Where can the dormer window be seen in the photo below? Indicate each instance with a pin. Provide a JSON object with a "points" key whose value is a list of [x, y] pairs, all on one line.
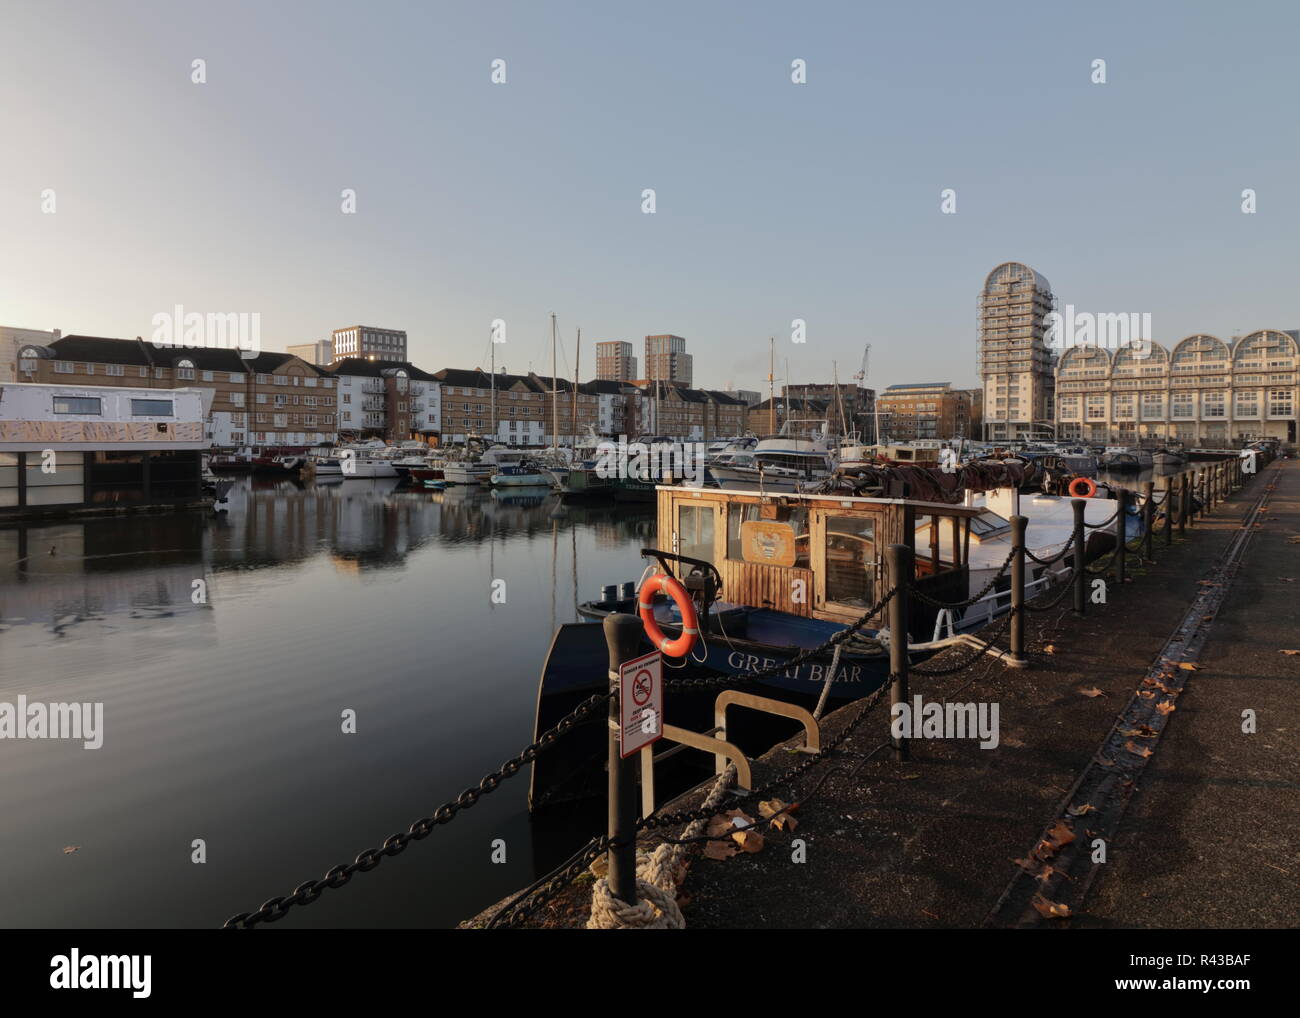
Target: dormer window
{"points": [[185, 369]]}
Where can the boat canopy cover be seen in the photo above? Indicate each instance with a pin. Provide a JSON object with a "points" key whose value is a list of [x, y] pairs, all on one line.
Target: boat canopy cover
{"points": [[929, 484]]}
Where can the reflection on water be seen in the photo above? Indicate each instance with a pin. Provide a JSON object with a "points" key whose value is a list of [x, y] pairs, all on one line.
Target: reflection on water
{"points": [[225, 650]]}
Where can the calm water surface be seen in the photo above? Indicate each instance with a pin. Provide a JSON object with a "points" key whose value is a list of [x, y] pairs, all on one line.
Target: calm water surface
{"points": [[223, 720]]}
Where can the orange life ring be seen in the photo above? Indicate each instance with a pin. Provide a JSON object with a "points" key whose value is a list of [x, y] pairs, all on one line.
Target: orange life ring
{"points": [[1082, 487], [662, 583]]}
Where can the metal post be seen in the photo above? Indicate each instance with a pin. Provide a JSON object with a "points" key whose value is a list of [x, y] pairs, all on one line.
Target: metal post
{"points": [[1080, 558], [623, 637], [1184, 503], [1169, 511], [1017, 658], [1148, 518], [1121, 529], [899, 560]]}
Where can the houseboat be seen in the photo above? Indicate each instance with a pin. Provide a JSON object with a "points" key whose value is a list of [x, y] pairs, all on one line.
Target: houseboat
{"points": [[775, 575], [68, 449]]}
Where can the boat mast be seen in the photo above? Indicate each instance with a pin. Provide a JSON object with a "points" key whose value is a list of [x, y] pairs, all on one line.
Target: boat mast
{"points": [[771, 391], [577, 360], [493, 415], [555, 390], [839, 398]]}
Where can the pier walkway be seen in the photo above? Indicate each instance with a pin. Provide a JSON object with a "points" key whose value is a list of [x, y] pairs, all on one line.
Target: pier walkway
{"points": [[1205, 839]]}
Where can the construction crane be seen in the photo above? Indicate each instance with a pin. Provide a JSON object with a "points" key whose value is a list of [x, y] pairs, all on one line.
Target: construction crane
{"points": [[861, 376]]}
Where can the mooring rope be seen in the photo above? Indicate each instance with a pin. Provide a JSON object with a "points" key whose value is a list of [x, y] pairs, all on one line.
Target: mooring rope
{"points": [[658, 875]]}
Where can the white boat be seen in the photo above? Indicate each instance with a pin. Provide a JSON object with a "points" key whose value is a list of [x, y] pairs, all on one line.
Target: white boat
{"points": [[784, 462]]}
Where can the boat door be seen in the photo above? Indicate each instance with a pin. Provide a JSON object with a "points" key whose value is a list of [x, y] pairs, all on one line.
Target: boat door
{"points": [[695, 530], [847, 562]]}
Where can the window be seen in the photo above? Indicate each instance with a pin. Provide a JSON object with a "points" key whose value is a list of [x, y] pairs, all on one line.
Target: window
{"points": [[207, 376], [77, 405], [237, 377], [151, 408], [236, 399], [1182, 405], [1246, 404], [1280, 403], [65, 368], [850, 560], [1214, 404], [695, 531], [114, 369]]}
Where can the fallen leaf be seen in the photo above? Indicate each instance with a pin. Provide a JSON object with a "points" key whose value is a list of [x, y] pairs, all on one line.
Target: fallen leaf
{"points": [[1050, 909], [1050, 649], [775, 810], [1093, 692], [750, 841], [719, 850], [1078, 811], [1165, 707], [1136, 750], [1290, 653], [1189, 666], [69, 849]]}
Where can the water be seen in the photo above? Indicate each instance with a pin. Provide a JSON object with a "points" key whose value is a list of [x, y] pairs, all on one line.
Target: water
{"points": [[223, 720]]}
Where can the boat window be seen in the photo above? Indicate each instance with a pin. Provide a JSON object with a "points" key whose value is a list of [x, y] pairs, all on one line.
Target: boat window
{"points": [[151, 408], [695, 532], [851, 560], [933, 547], [778, 538], [77, 405], [987, 523]]}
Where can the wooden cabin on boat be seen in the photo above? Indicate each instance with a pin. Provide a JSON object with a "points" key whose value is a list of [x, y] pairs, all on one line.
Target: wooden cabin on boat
{"points": [[818, 556]]}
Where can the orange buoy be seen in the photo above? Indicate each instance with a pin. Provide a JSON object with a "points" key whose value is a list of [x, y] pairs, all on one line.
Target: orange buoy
{"points": [[662, 583], [1082, 487]]}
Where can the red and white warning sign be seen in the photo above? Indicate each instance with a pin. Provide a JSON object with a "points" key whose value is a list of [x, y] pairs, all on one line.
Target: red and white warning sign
{"points": [[641, 702]]}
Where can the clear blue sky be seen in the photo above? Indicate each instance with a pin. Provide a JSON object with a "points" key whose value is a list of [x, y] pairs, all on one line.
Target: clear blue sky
{"points": [[775, 201]]}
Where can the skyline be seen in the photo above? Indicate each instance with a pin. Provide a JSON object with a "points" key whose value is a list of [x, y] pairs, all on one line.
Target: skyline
{"points": [[478, 201]]}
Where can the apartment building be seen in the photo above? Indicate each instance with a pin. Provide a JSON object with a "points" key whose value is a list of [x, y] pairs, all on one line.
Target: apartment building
{"points": [[806, 416], [1204, 392], [368, 341], [319, 353], [12, 339], [689, 415], [271, 400], [476, 403], [858, 404], [614, 361], [666, 360], [1013, 360], [925, 410], [392, 400]]}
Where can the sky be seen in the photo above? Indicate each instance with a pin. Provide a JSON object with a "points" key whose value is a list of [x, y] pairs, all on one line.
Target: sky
{"points": [[774, 201]]}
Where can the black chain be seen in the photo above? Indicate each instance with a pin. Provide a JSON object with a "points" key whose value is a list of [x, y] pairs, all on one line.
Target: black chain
{"points": [[1055, 558], [953, 669], [933, 603], [1106, 523], [275, 909], [1066, 587]]}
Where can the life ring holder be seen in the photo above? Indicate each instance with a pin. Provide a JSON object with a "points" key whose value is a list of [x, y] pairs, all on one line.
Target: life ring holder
{"points": [[1083, 487], [663, 583]]}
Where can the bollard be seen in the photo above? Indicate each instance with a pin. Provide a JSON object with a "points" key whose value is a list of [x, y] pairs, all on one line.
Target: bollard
{"points": [[1169, 511], [1080, 560], [1017, 658], [623, 638], [899, 561], [1121, 535], [1148, 518], [1184, 503]]}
